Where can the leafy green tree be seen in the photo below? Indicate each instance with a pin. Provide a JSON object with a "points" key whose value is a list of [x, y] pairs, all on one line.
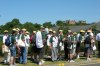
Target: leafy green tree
{"points": [[47, 24], [37, 26], [60, 23], [65, 30], [81, 22], [16, 22], [29, 26], [94, 26], [54, 25], [13, 24], [67, 22], [2, 29]]}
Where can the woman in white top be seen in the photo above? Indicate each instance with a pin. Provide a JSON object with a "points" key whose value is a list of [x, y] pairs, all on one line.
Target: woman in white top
{"points": [[27, 43], [6, 54]]}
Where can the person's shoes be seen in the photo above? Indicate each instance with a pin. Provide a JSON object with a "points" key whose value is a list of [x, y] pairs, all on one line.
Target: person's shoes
{"points": [[58, 59], [78, 56], [5, 62], [35, 60], [52, 60], [40, 63], [88, 59], [68, 60], [15, 64], [23, 63], [49, 56], [72, 61], [98, 56], [11, 65], [20, 62]]}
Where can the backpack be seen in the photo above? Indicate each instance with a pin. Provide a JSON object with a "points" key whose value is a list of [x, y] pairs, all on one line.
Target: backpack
{"points": [[51, 39], [8, 41], [88, 40], [69, 42], [33, 39]]}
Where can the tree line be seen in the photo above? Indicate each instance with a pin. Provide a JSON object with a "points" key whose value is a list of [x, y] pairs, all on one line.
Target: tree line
{"points": [[30, 26]]}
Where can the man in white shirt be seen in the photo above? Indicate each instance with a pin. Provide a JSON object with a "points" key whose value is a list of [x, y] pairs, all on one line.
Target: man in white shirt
{"points": [[40, 46], [39, 42], [98, 39]]}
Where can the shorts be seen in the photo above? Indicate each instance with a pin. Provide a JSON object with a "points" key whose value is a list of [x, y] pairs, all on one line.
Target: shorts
{"points": [[13, 51], [41, 53], [70, 51], [78, 47], [34, 49], [88, 50]]}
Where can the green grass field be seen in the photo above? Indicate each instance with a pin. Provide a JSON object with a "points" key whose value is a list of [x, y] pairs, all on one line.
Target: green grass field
{"points": [[49, 63]]}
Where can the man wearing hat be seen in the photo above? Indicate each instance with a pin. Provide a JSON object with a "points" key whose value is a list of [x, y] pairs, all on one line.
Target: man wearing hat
{"points": [[6, 54], [60, 44], [48, 37], [27, 42], [54, 46], [12, 47], [80, 42], [71, 39], [21, 43], [74, 41], [34, 50], [23, 29], [48, 42], [44, 36], [17, 29], [88, 45], [40, 38], [66, 42]]}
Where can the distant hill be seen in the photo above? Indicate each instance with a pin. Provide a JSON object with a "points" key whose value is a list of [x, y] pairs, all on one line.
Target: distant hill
{"points": [[74, 28], [98, 26], [78, 28]]}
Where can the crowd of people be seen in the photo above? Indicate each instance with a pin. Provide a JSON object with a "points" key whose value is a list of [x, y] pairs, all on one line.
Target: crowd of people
{"points": [[54, 44]]}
